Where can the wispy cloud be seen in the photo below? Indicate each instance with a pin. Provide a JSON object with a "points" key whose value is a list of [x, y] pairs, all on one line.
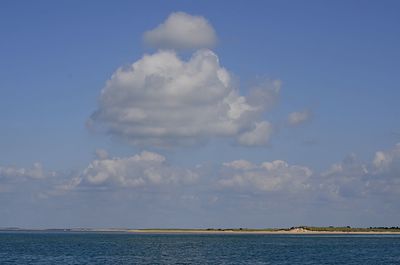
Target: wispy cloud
{"points": [[299, 117], [34, 172]]}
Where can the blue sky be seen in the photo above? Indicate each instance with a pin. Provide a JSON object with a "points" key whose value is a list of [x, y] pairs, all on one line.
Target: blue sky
{"points": [[327, 77]]}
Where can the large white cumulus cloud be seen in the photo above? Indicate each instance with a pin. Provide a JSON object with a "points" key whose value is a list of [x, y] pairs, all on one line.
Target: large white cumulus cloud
{"points": [[163, 100], [182, 31]]}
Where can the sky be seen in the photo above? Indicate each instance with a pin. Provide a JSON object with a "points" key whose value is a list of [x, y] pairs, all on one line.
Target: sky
{"points": [[154, 114]]}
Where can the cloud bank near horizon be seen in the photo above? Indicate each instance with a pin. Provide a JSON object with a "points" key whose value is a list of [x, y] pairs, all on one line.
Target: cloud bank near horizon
{"points": [[148, 178], [346, 179]]}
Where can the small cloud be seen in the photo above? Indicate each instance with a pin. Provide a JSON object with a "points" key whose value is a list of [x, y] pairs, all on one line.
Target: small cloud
{"points": [[299, 117], [101, 154], [259, 136], [182, 31], [34, 172], [265, 94], [239, 164], [388, 161]]}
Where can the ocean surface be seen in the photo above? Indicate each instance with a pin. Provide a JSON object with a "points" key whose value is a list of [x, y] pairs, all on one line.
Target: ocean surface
{"points": [[112, 248]]}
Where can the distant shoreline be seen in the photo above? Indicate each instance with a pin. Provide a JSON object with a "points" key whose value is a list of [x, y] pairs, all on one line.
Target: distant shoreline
{"points": [[304, 230], [258, 232]]}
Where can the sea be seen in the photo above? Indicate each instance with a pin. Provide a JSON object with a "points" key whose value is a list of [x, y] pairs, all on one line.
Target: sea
{"points": [[129, 248]]}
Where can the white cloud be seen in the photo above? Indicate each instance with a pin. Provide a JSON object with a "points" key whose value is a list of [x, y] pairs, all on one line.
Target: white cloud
{"points": [[260, 135], [299, 117], [277, 175], [182, 31], [352, 178], [239, 164], [265, 93], [386, 171], [389, 160], [144, 169], [147, 174], [345, 179], [101, 154], [163, 100], [66, 186], [348, 179], [34, 172], [25, 179]]}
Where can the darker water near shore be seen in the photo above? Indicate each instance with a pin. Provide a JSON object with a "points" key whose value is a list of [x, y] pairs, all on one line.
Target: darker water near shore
{"points": [[125, 248]]}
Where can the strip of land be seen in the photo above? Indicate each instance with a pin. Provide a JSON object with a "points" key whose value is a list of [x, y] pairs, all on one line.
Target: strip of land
{"points": [[294, 230]]}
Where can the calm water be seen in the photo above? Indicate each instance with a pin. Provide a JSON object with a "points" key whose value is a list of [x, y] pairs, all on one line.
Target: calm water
{"points": [[98, 248]]}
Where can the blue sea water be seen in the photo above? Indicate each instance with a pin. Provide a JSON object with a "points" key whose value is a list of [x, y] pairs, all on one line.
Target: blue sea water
{"points": [[112, 248]]}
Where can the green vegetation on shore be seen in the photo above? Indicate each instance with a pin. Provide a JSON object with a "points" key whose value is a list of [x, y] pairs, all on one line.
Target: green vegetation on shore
{"points": [[349, 229]]}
